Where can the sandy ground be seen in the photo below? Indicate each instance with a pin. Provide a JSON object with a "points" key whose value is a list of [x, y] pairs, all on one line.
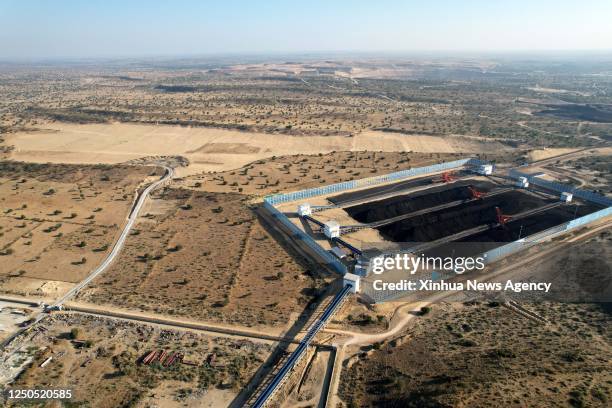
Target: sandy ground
{"points": [[310, 391], [108, 373], [208, 149], [11, 315], [547, 153]]}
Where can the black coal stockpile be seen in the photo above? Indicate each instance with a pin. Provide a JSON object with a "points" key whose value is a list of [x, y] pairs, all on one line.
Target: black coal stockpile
{"points": [[406, 204], [512, 231], [442, 223], [439, 224]]}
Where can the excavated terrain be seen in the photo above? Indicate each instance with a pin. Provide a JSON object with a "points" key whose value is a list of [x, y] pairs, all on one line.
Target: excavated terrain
{"points": [[388, 188], [420, 200], [469, 214]]}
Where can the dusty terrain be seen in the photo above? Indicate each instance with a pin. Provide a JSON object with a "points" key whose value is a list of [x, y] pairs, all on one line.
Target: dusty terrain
{"points": [[593, 172], [11, 316], [100, 360], [201, 250], [59, 221], [210, 149], [542, 154], [206, 256], [309, 392], [480, 354], [476, 352], [402, 98], [296, 172]]}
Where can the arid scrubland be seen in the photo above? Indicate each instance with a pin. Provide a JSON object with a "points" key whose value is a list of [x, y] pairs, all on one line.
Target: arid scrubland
{"points": [[203, 250], [206, 256], [100, 360], [59, 221], [241, 131], [340, 98], [483, 353]]}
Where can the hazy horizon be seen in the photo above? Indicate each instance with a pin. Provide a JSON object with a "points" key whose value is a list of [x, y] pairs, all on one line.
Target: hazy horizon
{"points": [[81, 30]]}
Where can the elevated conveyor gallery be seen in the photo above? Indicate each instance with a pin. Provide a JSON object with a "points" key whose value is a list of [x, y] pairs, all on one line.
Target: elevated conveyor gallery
{"points": [[264, 396]]}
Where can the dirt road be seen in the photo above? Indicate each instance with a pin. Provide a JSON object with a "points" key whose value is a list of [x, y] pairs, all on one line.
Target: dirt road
{"points": [[217, 329], [132, 217]]}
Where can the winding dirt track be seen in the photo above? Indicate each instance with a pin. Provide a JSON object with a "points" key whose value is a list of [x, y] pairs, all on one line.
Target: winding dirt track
{"points": [[132, 217]]}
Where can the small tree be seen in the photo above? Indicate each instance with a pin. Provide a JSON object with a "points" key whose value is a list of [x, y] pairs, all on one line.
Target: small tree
{"points": [[74, 333]]}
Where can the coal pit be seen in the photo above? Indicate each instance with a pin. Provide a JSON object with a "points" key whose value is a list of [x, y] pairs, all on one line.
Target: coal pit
{"points": [[470, 214]]}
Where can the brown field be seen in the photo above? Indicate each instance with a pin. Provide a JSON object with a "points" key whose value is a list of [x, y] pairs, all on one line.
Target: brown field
{"points": [[102, 365], [202, 249], [478, 353], [199, 251], [211, 149], [206, 256], [593, 171], [59, 221], [542, 154]]}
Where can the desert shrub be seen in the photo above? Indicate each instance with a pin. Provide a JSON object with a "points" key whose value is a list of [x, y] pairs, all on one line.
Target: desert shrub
{"points": [[467, 343], [74, 333], [6, 252], [425, 310]]}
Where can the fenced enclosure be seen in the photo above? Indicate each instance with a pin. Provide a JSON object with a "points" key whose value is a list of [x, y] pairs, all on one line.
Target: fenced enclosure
{"points": [[490, 256]]}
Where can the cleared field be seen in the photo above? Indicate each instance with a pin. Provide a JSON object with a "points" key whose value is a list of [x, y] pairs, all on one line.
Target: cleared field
{"points": [[59, 221], [210, 149], [206, 256], [547, 153]]}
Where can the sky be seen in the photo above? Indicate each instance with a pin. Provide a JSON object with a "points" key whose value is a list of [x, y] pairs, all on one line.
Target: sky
{"points": [[111, 28]]}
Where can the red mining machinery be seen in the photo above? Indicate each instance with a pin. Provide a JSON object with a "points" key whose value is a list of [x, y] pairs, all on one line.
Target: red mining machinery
{"points": [[445, 177], [501, 218], [475, 193]]}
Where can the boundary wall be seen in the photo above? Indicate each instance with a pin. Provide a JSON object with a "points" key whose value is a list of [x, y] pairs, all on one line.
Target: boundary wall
{"points": [[370, 181], [560, 187]]}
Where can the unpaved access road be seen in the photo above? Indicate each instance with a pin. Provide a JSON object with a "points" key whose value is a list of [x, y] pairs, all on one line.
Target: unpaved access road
{"points": [[133, 216]]}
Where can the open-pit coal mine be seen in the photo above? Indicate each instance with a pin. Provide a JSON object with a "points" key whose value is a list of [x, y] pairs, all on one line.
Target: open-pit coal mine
{"points": [[468, 213], [513, 230], [417, 201]]}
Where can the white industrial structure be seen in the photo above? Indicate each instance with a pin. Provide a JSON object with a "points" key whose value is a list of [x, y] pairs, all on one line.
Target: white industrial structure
{"points": [[485, 169], [567, 197], [522, 182], [353, 281], [331, 229], [304, 210]]}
